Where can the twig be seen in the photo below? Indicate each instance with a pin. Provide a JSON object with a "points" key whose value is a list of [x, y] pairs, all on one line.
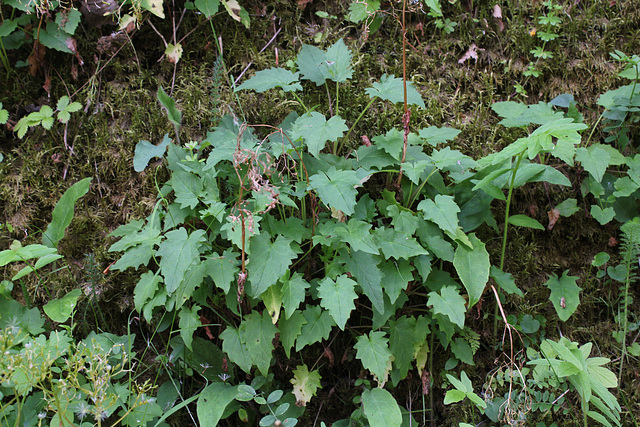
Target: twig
{"points": [[235, 82]]}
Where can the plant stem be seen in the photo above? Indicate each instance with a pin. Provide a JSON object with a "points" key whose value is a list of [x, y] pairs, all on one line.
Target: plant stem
{"points": [[346, 137]]}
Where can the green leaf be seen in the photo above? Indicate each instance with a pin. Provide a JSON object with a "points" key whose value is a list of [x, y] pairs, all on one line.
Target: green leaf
{"points": [[208, 9], [145, 151], [406, 338], [594, 160], [397, 275], [316, 130], [318, 66], [189, 322], [178, 252], [450, 303], [363, 267], [359, 11], [434, 135], [146, 288], [272, 78], [63, 213], [395, 244], [268, 262], [257, 333], [381, 408], [568, 207], [373, 351], [305, 384], [565, 294], [153, 6], [473, 266], [462, 350], [290, 329], [317, 327], [390, 88], [213, 401], [293, 293], [54, 38], [604, 216], [505, 281], [223, 268], [525, 221], [174, 115], [443, 210], [338, 62], [59, 310], [338, 297], [336, 188]]}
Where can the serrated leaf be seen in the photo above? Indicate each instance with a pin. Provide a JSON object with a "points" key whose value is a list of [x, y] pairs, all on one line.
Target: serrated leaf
{"points": [[146, 288], [505, 281], [305, 384], [338, 62], [178, 252], [316, 130], [373, 352], [525, 221], [53, 37], [380, 408], [443, 210], [213, 400], [336, 188], [565, 294], [363, 267], [391, 88], [145, 151], [268, 262], [361, 10], [59, 310], [290, 328], [63, 212], [222, 268], [317, 327], [258, 333], [449, 303], [338, 297], [593, 160], [395, 244], [434, 135], [293, 293], [397, 275], [236, 349], [318, 66], [391, 142], [472, 266], [311, 63], [272, 78], [189, 321]]}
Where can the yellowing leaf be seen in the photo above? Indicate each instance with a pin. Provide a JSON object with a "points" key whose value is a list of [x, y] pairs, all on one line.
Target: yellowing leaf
{"points": [[305, 384]]}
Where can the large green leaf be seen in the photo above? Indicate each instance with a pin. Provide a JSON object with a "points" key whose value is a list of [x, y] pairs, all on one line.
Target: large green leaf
{"points": [[363, 267], [373, 351], [223, 268], [406, 337], [395, 244], [565, 294], [178, 252], [450, 303], [336, 188], [443, 210], [271, 78], [473, 267], [316, 130], [397, 275], [338, 62], [63, 213], [257, 333], [268, 262], [59, 310], [293, 293], [318, 66], [212, 402], [434, 135], [317, 327], [290, 328], [380, 408], [338, 297], [391, 88], [594, 160]]}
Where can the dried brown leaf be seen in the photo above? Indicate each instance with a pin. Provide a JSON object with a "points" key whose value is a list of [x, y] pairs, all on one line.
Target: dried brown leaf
{"points": [[554, 215]]}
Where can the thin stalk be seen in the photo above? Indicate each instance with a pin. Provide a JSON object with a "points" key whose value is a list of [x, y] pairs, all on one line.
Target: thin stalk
{"points": [[504, 236], [300, 101], [346, 137], [625, 320]]}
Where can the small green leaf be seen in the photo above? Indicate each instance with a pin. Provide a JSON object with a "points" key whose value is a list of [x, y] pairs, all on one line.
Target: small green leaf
{"points": [[272, 78], [208, 8], [145, 151], [317, 327], [174, 115], [290, 328], [395, 244], [568, 207], [450, 303], [380, 408], [505, 281], [565, 294], [361, 10], [604, 216], [390, 88], [189, 322], [462, 350], [525, 221], [316, 130], [63, 212], [473, 266], [146, 288], [434, 135], [364, 267], [373, 351], [293, 293], [594, 160], [443, 210], [178, 252], [59, 310], [338, 297]]}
